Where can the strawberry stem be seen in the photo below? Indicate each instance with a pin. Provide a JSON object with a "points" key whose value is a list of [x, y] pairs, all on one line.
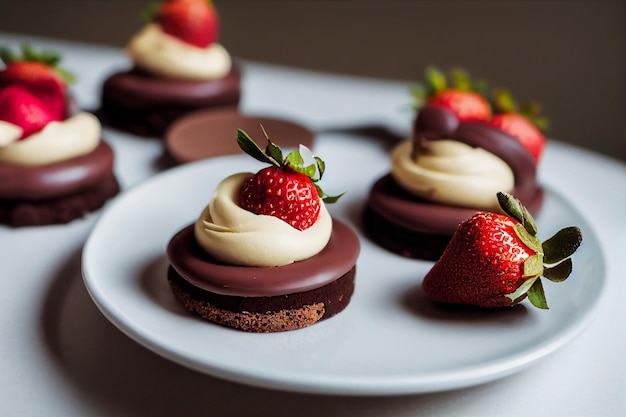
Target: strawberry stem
{"points": [[273, 155]]}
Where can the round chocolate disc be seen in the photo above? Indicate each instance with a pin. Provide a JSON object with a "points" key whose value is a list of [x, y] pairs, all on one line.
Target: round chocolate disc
{"points": [[208, 133]]}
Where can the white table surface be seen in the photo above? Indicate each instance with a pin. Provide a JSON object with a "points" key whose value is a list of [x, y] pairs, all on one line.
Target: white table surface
{"points": [[59, 356]]}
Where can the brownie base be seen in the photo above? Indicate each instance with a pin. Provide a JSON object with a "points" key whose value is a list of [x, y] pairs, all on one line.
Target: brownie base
{"points": [[150, 122], [265, 314], [60, 210], [409, 244]]}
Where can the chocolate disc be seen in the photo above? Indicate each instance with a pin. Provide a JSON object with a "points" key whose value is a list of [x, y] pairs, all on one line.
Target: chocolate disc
{"points": [[208, 133]]}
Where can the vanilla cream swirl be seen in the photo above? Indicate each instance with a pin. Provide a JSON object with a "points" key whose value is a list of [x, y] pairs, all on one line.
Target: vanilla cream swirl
{"points": [[451, 172], [167, 56], [56, 142], [237, 236]]}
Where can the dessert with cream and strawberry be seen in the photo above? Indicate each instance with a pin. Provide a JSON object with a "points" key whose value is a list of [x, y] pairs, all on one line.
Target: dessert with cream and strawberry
{"points": [[497, 260], [54, 167], [265, 254], [459, 156], [178, 67]]}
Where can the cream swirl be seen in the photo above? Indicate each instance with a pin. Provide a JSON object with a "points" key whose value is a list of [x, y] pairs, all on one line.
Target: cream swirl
{"points": [[451, 172], [57, 141], [164, 55], [236, 236]]}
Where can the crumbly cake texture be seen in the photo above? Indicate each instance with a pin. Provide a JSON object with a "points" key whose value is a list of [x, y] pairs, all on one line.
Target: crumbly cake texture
{"points": [[265, 314], [59, 210], [57, 193]]}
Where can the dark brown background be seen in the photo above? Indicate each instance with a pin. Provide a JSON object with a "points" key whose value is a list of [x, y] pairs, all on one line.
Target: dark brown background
{"points": [[568, 54]]}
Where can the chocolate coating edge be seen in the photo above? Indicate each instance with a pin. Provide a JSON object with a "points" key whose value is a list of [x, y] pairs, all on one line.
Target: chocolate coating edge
{"points": [[197, 267], [146, 105], [417, 226], [48, 181]]}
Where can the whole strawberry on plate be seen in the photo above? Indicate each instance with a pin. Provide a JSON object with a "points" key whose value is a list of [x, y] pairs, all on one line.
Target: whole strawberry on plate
{"points": [[455, 92], [522, 122], [496, 260], [286, 189], [192, 21]]}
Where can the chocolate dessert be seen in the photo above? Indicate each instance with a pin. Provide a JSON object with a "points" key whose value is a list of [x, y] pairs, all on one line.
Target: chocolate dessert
{"points": [[141, 103], [418, 228], [58, 192], [208, 133], [177, 67], [54, 166], [265, 255], [262, 299]]}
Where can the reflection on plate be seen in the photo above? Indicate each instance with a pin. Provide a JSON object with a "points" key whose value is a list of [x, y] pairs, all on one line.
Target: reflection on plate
{"points": [[209, 133], [389, 340]]}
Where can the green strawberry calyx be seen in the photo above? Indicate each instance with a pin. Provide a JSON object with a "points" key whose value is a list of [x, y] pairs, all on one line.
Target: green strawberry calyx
{"points": [[502, 101], [29, 54], [436, 81], [552, 258], [293, 162]]}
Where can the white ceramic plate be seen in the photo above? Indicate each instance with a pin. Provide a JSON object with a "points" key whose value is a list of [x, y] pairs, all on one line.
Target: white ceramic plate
{"points": [[389, 340]]}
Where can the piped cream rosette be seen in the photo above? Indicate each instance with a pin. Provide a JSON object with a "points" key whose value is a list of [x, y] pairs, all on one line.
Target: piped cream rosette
{"points": [[451, 172], [56, 142], [236, 236], [164, 55]]}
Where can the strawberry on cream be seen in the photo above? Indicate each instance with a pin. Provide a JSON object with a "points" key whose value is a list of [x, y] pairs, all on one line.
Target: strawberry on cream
{"points": [[451, 172], [165, 55], [58, 141], [234, 235]]}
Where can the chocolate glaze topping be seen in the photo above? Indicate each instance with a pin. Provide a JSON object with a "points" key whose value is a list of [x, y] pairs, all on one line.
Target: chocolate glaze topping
{"points": [[199, 269], [146, 105], [207, 133], [435, 122], [137, 90], [58, 179]]}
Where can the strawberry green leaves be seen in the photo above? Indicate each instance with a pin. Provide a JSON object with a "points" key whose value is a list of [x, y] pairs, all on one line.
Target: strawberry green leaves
{"points": [[497, 260], [437, 81], [293, 162], [555, 251], [562, 245], [502, 101], [536, 296], [514, 208]]}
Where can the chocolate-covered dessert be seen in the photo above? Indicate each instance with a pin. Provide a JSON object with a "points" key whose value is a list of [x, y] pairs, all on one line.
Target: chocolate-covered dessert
{"points": [[208, 133], [178, 67], [456, 161], [265, 254], [54, 167]]}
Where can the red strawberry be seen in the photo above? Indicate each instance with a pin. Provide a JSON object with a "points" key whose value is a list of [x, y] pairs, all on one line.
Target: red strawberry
{"points": [[192, 21], [20, 107], [37, 72], [467, 105], [287, 189], [523, 129], [463, 98], [524, 124], [496, 260]]}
